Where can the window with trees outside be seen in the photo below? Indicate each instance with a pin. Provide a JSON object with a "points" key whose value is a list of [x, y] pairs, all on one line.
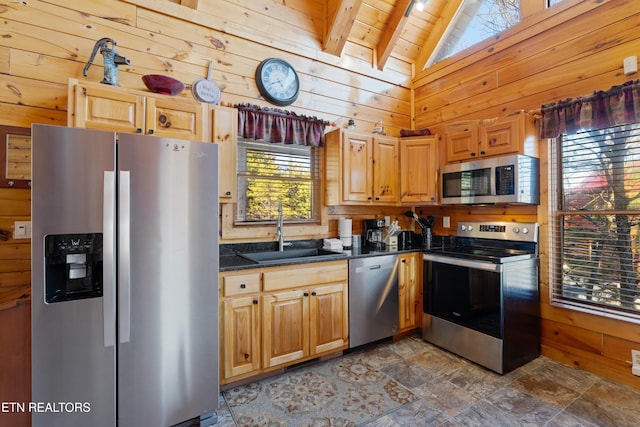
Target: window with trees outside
{"points": [[270, 173], [595, 221], [475, 21]]}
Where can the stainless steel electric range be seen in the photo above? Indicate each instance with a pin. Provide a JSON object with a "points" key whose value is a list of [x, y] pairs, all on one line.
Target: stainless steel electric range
{"points": [[481, 295]]}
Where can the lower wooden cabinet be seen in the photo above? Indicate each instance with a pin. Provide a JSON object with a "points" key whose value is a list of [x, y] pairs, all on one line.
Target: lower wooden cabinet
{"points": [[278, 316], [241, 340], [410, 290]]}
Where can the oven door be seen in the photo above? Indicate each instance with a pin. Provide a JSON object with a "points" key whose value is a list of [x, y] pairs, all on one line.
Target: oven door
{"points": [[464, 291]]}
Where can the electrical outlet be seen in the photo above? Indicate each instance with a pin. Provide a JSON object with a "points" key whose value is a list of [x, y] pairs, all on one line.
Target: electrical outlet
{"points": [[635, 360], [446, 222], [387, 220], [630, 65]]}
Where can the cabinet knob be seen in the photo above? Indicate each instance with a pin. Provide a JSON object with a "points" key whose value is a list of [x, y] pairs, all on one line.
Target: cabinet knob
{"points": [[138, 130], [473, 154], [243, 286], [227, 193], [368, 198], [255, 302], [246, 355], [150, 132], [306, 294], [404, 260], [482, 153], [313, 294]]}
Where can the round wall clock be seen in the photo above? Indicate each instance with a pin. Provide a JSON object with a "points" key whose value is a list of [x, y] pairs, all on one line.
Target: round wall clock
{"points": [[277, 81]]}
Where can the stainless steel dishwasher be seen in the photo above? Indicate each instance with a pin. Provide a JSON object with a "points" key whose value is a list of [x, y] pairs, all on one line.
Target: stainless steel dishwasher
{"points": [[373, 299]]}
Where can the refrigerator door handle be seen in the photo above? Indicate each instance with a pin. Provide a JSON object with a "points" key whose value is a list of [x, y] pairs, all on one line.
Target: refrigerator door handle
{"points": [[108, 251], [124, 258]]}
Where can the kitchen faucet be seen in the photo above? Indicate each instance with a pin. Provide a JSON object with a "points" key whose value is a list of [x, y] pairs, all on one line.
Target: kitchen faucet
{"points": [[280, 230]]}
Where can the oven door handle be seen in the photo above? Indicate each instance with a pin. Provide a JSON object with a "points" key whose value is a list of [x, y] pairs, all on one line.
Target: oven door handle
{"points": [[478, 265]]}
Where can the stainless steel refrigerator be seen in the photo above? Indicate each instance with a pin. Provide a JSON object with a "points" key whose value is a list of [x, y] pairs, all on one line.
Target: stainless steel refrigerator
{"points": [[124, 279]]}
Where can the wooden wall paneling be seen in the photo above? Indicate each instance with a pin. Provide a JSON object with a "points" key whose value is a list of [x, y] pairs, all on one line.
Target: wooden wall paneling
{"points": [[15, 360], [22, 116], [15, 254], [618, 349], [5, 61], [572, 336], [588, 361], [19, 90], [322, 85], [523, 90], [360, 213]]}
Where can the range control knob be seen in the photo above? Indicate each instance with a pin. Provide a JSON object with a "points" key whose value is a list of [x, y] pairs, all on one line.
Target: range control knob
{"points": [[470, 228], [525, 230], [463, 227], [516, 230]]}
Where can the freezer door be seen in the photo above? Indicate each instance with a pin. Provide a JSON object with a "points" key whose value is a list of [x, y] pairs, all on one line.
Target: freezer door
{"points": [[73, 353], [168, 270]]}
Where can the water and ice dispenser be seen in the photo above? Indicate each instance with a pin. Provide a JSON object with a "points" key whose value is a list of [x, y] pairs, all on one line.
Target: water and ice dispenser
{"points": [[73, 266]]}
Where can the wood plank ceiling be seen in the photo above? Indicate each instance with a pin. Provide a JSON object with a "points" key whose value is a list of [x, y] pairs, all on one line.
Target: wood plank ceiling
{"points": [[389, 27]]}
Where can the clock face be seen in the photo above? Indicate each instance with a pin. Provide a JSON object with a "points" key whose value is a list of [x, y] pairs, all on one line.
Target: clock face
{"points": [[277, 81]]}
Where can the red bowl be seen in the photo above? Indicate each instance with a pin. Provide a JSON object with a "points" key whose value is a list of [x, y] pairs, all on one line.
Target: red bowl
{"points": [[163, 84]]}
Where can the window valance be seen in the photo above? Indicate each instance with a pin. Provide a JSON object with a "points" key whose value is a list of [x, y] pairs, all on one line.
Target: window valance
{"points": [[616, 106], [275, 125]]}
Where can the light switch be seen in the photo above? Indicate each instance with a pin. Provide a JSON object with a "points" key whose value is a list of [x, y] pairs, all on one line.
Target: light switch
{"points": [[446, 222], [22, 230]]}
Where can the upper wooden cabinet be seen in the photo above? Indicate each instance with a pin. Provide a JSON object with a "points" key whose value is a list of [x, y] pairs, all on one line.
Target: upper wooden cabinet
{"points": [[224, 132], [362, 169], [506, 135], [98, 106], [418, 170]]}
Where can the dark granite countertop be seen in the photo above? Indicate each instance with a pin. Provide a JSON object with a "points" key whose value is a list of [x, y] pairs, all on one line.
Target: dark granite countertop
{"points": [[231, 261]]}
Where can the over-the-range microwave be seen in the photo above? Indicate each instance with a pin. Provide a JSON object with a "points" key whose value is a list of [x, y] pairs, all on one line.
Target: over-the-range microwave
{"points": [[507, 179]]}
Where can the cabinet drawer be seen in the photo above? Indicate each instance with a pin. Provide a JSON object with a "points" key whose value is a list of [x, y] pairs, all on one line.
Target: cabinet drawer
{"points": [[241, 284], [302, 276]]}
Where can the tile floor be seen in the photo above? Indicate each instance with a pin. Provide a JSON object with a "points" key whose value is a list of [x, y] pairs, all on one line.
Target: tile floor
{"points": [[446, 390]]}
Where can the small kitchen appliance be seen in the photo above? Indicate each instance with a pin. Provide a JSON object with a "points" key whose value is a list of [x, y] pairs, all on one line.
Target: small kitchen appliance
{"points": [[373, 233], [507, 179]]}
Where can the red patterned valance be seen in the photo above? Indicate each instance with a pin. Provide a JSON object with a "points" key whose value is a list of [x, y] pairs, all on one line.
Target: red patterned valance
{"points": [[616, 106], [274, 125]]}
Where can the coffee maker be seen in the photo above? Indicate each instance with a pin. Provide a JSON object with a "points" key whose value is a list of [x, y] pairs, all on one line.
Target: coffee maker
{"points": [[372, 229]]}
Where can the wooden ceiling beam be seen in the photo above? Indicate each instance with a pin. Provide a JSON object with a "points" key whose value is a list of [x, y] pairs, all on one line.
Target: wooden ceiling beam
{"points": [[340, 16], [393, 30], [439, 31]]}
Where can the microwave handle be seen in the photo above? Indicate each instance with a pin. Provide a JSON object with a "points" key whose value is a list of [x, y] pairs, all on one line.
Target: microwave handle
{"points": [[493, 181]]}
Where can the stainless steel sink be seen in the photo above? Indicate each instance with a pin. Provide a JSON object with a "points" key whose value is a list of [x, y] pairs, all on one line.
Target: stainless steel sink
{"points": [[310, 254]]}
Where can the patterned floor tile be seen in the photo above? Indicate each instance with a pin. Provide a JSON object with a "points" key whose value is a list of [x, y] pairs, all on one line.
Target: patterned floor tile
{"points": [[412, 383]]}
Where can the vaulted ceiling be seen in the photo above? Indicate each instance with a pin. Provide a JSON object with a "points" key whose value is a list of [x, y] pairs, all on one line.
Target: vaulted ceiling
{"points": [[389, 27]]}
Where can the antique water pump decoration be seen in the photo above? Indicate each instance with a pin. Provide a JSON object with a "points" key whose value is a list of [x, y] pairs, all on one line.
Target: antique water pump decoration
{"points": [[111, 59]]}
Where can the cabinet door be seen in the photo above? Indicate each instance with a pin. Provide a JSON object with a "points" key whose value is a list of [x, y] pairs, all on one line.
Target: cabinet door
{"points": [[285, 323], [408, 290], [224, 132], [418, 171], [500, 137], [240, 332], [329, 318], [175, 118], [385, 170], [357, 171], [107, 108], [462, 145]]}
